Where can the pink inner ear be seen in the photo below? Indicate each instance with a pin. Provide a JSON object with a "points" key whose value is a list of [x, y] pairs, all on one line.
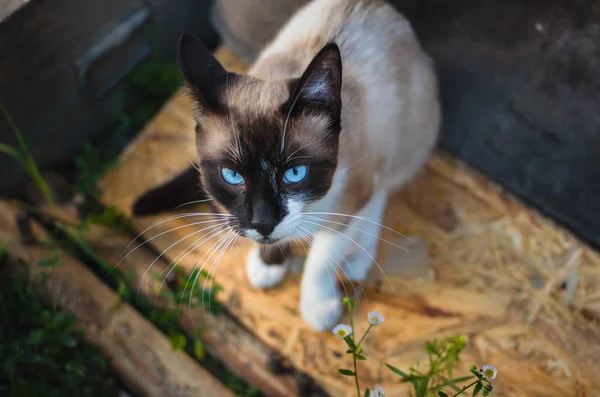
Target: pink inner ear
{"points": [[317, 88]]}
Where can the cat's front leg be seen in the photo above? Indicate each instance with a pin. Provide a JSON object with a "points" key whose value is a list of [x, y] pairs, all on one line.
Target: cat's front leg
{"points": [[267, 265], [320, 298]]}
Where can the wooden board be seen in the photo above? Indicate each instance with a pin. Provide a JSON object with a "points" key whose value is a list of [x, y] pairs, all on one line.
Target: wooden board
{"points": [[138, 351], [494, 272]]}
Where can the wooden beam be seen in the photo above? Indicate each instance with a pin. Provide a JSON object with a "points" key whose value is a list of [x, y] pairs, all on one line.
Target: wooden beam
{"points": [[139, 352]]}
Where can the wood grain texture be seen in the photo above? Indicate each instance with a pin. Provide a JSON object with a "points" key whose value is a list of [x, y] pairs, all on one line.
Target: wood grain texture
{"points": [[223, 337], [139, 352], [486, 260]]}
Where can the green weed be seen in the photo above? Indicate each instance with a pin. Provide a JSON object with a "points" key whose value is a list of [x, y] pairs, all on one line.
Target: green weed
{"points": [[443, 356], [25, 159], [41, 352]]}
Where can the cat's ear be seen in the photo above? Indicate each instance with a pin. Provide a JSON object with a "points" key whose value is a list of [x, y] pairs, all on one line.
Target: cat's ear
{"points": [[202, 72], [321, 82]]}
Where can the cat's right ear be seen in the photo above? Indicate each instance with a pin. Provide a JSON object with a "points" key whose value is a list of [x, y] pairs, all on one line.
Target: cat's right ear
{"points": [[204, 75]]}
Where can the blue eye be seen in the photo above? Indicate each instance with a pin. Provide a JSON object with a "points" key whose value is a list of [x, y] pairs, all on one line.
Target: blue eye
{"points": [[232, 177], [295, 174]]}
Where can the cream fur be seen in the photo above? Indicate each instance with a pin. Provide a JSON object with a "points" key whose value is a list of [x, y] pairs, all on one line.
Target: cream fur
{"points": [[390, 123]]}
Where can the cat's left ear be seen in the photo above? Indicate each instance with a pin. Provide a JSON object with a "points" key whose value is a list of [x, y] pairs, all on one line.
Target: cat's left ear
{"points": [[203, 72], [321, 82]]}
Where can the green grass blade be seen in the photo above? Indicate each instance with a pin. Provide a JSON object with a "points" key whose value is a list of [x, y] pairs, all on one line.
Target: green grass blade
{"points": [[11, 151], [26, 159]]}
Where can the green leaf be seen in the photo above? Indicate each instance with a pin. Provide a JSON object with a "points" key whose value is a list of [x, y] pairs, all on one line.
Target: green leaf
{"points": [[477, 389], [442, 394], [11, 151], [199, 349], [396, 370], [405, 377], [346, 372], [452, 382], [69, 341], [350, 342], [475, 372], [367, 392], [63, 320], [422, 390], [361, 357], [178, 341], [349, 351]]}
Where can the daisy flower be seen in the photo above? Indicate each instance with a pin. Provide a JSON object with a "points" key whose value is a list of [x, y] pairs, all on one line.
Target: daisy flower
{"points": [[378, 392], [489, 372], [375, 318], [342, 330]]}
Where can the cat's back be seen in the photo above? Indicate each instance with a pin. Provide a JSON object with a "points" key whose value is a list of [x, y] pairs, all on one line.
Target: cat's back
{"points": [[390, 112], [368, 32]]}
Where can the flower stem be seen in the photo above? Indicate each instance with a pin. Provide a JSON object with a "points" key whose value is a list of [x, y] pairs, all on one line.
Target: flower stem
{"points": [[354, 352], [465, 388], [363, 337]]}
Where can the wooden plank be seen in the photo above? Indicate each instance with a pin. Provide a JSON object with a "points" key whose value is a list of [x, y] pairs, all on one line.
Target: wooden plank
{"points": [[139, 352], [223, 337], [487, 255]]}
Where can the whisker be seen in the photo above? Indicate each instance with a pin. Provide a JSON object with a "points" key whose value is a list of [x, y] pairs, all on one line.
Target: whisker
{"points": [[287, 119], [361, 218], [169, 231], [170, 218], [227, 228], [222, 241], [197, 243], [228, 245], [333, 286], [190, 248], [217, 243], [171, 246], [314, 218], [238, 148], [193, 164], [194, 202], [344, 272], [359, 246]]}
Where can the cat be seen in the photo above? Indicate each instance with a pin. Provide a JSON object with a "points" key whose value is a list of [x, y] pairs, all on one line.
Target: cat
{"points": [[339, 110]]}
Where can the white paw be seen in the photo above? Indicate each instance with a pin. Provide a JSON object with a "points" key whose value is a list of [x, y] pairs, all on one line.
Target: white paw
{"points": [[262, 275], [321, 314]]}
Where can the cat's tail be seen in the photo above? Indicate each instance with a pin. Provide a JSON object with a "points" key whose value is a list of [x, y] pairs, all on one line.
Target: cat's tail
{"points": [[183, 188]]}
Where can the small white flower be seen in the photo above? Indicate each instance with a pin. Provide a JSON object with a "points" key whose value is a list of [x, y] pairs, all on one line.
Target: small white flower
{"points": [[489, 372], [342, 330], [375, 318], [378, 392]]}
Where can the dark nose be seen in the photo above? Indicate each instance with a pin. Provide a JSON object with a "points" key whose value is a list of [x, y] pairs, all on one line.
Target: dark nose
{"points": [[264, 228], [264, 218]]}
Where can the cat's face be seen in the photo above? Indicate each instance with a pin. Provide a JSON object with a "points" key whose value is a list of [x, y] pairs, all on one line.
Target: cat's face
{"points": [[265, 149]]}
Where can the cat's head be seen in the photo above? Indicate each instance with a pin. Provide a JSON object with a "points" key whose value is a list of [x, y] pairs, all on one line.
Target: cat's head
{"points": [[266, 149]]}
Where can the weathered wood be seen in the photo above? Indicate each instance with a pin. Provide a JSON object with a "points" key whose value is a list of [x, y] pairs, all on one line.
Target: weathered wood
{"points": [[488, 255], [139, 352], [223, 337], [44, 46]]}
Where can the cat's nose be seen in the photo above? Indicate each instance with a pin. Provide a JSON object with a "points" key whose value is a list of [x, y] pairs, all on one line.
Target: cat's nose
{"points": [[263, 227], [265, 217]]}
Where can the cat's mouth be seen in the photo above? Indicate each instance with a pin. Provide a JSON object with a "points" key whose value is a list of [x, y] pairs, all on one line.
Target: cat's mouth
{"points": [[269, 240], [260, 238]]}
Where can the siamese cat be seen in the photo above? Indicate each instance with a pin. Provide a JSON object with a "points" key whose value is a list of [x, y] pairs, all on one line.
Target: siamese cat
{"points": [[339, 110]]}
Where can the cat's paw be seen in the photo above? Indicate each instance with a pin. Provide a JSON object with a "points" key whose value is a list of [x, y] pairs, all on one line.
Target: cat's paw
{"points": [[262, 275], [321, 314]]}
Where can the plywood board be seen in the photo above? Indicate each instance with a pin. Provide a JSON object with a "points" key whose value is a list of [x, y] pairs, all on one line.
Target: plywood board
{"points": [[493, 272]]}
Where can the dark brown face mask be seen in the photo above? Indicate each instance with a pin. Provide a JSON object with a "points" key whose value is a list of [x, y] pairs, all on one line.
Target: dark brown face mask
{"points": [[265, 154]]}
